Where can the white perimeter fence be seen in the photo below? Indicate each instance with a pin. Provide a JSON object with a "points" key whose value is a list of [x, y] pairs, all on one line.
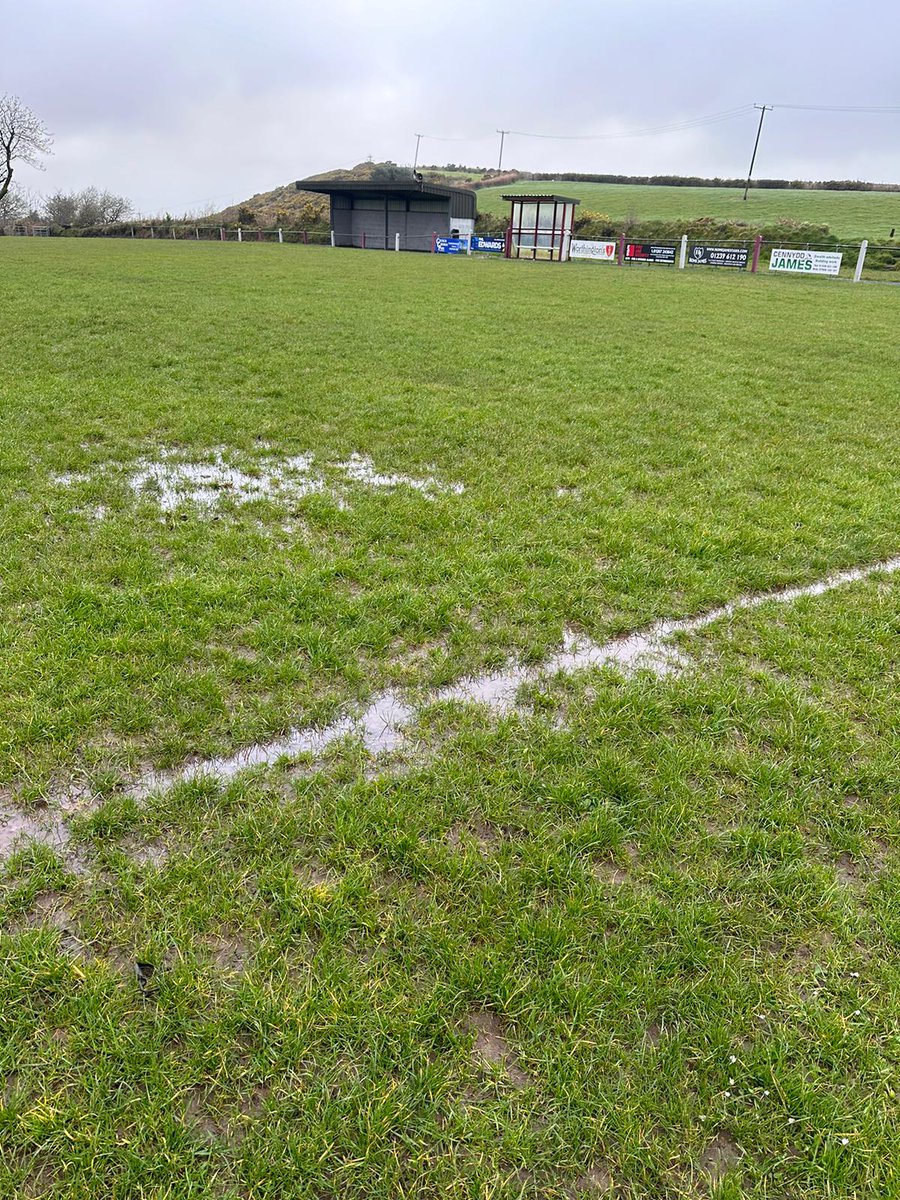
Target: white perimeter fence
{"points": [[859, 261]]}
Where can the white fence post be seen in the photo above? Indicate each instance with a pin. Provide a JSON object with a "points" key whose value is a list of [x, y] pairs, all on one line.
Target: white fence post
{"points": [[280, 237], [566, 244], [861, 261], [240, 237], [683, 257], [397, 241]]}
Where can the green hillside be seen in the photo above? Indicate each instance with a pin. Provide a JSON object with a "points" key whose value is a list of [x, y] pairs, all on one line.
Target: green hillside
{"points": [[848, 214]]}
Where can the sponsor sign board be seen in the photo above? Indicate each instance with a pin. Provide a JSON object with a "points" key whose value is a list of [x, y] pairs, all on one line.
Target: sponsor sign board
{"points": [[490, 245], [448, 245], [806, 262], [718, 256], [646, 252], [604, 251]]}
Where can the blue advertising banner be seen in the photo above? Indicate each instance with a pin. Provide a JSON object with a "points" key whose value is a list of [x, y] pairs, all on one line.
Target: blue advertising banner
{"points": [[449, 245], [491, 245]]}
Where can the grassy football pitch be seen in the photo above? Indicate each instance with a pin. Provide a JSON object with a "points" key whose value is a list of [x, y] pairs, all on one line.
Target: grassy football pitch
{"points": [[624, 930]]}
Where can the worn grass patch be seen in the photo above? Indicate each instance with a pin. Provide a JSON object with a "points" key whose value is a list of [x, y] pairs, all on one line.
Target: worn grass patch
{"points": [[637, 938]]}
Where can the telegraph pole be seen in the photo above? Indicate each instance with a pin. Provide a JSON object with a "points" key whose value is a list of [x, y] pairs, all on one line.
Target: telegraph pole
{"points": [[503, 133], [419, 137], [764, 108]]}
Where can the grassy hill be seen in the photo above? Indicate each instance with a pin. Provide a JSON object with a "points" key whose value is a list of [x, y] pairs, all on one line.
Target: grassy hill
{"points": [[286, 206], [848, 214]]}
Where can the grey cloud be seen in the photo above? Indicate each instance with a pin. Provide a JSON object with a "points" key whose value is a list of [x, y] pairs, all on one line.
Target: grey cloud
{"points": [[178, 104]]}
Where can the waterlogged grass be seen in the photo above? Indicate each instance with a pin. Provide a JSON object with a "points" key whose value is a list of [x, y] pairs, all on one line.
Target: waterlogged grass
{"points": [[848, 214], [643, 936]]}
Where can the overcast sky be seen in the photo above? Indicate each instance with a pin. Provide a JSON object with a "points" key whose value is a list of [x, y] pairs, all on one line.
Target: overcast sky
{"points": [[181, 104]]}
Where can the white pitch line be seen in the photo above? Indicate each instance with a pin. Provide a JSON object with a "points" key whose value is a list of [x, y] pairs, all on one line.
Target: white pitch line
{"points": [[382, 725]]}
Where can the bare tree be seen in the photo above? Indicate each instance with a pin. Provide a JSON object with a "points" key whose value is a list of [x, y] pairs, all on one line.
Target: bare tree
{"points": [[23, 138], [113, 207], [85, 208], [61, 208]]}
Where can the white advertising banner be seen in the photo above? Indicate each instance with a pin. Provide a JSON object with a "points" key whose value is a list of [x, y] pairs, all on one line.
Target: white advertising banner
{"points": [[604, 251], [806, 262]]}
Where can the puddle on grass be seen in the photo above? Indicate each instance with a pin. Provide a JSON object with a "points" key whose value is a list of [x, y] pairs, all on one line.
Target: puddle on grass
{"points": [[359, 469], [382, 726], [20, 828], [172, 480]]}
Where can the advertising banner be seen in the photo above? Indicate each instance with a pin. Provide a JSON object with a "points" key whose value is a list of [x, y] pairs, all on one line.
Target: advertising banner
{"points": [[718, 256], [604, 251], [645, 252], [489, 245], [806, 262], [449, 245]]}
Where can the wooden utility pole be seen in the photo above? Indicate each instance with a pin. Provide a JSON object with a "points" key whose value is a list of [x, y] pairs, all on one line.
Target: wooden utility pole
{"points": [[419, 137], [764, 108], [503, 133]]}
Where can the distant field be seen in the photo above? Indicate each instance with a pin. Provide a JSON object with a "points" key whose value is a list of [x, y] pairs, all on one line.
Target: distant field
{"points": [[629, 933], [848, 214]]}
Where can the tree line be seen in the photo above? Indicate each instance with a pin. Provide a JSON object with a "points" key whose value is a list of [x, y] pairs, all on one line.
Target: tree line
{"points": [[827, 185], [69, 210]]}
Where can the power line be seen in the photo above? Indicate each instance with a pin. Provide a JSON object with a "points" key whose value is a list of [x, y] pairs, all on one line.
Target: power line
{"points": [[432, 137], [675, 127], [847, 108]]}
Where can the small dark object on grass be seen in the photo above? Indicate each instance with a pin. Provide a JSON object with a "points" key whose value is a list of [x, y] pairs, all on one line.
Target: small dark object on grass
{"points": [[144, 973]]}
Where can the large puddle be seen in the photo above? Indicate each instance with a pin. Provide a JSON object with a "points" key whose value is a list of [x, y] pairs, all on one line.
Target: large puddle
{"points": [[384, 724], [172, 480]]}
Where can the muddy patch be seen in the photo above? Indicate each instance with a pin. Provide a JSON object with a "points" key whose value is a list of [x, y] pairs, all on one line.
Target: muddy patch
{"points": [[484, 837], [720, 1156], [147, 854], [607, 871], [200, 1117], [252, 1103], [50, 911], [595, 1181], [611, 871], [315, 874], [230, 955], [491, 1049], [652, 1036], [42, 1180], [848, 870]]}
